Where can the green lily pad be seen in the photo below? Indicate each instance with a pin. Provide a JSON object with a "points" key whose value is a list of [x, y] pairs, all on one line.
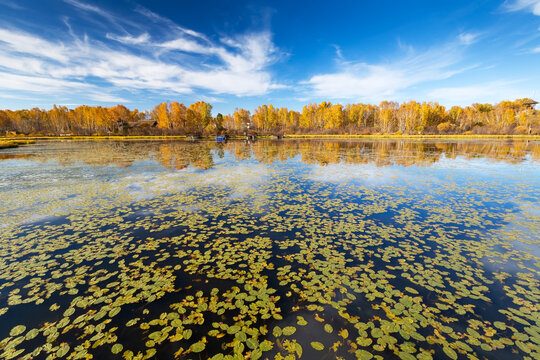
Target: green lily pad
{"points": [[328, 328], [450, 352], [363, 354], [266, 345], [17, 330], [289, 330], [198, 347], [117, 348], [62, 351]]}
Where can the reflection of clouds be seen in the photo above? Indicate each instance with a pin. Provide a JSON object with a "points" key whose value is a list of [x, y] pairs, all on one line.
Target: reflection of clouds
{"points": [[523, 246], [519, 236], [25, 220], [241, 178], [483, 165], [370, 173], [241, 175], [138, 191], [530, 208]]}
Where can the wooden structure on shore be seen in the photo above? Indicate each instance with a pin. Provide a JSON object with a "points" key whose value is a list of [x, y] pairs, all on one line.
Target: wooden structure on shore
{"points": [[530, 104], [140, 124]]}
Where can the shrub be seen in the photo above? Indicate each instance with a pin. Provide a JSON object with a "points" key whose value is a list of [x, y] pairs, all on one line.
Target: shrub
{"points": [[521, 130], [445, 127]]}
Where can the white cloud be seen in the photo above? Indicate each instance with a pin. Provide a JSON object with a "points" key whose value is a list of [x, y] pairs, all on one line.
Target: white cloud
{"points": [[376, 82], [491, 92], [187, 45], [38, 84], [88, 7], [531, 5], [11, 4], [107, 98], [128, 39], [173, 59], [19, 43], [168, 23], [362, 80], [118, 22], [468, 38]]}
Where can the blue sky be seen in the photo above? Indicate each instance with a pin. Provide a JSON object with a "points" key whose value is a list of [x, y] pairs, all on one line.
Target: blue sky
{"points": [[246, 53]]}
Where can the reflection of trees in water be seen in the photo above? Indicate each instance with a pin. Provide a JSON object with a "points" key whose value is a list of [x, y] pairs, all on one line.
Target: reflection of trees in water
{"points": [[393, 152], [511, 151], [181, 154]]}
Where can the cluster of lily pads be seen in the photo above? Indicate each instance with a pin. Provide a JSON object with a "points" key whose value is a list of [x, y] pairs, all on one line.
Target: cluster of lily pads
{"points": [[286, 267]]}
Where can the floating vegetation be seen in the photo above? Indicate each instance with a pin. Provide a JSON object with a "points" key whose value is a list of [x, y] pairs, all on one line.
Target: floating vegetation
{"points": [[278, 250]]}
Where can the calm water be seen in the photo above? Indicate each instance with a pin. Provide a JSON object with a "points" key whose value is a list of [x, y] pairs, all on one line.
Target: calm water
{"points": [[272, 249]]}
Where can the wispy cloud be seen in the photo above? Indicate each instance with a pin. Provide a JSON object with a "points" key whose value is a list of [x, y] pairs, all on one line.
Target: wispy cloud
{"points": [[168, 23], [88, 7], [492, 91], [375, 82], [19, 44], [11, 4], [117, 21], [531, 5], [178, 61], [130, 39], [468, 38]]}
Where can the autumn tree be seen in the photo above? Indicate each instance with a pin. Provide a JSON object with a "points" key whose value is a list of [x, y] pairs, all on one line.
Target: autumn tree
{"points": [[241, 118], [178, 116], [387, 115], [334, 117], [199, 117], [160, 114], [174, 117]]}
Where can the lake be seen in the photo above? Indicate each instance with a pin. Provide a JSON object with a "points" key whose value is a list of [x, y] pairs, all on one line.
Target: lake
{"points": [[313, 249]]}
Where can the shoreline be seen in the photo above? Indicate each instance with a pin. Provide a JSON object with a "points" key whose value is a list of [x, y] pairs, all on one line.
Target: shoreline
{"points": [[20, 140], [10, 143], [392, 136]]}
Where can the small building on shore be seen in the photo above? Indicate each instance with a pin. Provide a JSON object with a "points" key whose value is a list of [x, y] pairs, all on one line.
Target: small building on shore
{"points": [[530, 104]]}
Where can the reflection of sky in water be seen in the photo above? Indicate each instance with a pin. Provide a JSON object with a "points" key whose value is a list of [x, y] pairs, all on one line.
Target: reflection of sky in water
{"points": [[444, 169], [241, 177], [228, 170], [146, 176], [366, 173]]}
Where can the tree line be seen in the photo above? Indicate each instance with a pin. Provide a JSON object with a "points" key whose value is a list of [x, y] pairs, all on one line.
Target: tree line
{"points": [[174, 118]]}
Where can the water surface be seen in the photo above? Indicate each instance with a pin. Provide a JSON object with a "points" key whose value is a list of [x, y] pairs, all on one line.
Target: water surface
{"points": [[272, 249]]}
